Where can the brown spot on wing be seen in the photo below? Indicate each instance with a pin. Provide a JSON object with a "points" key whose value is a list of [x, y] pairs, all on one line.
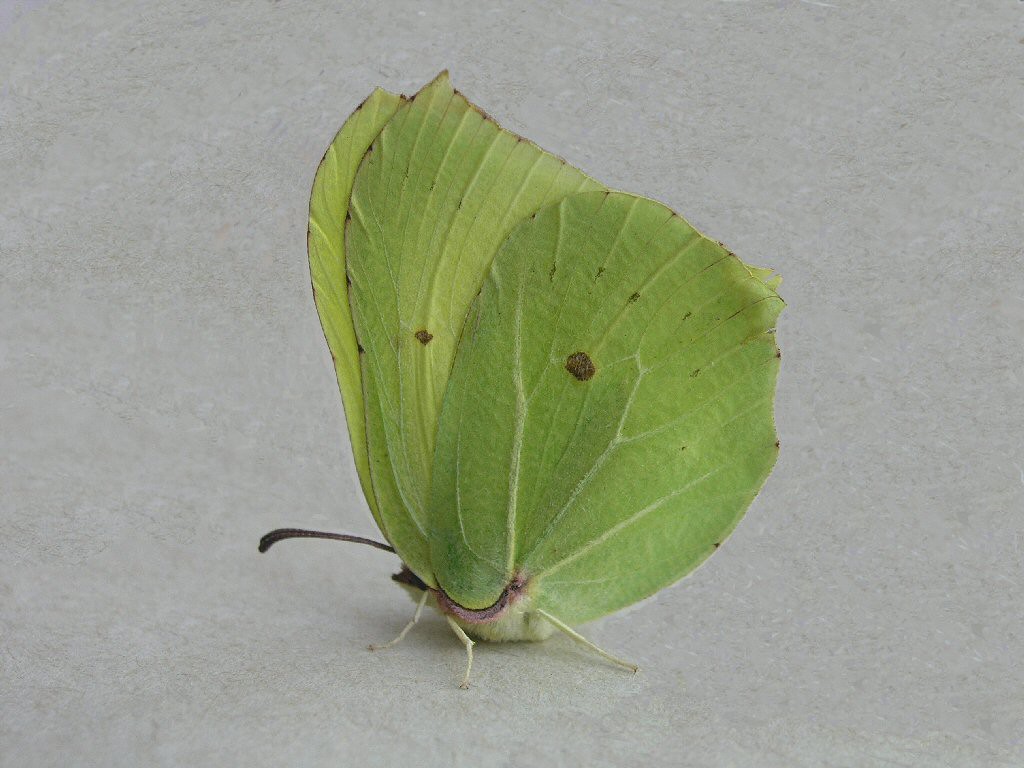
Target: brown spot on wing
{"points": [[423, 336], [580, 366]]}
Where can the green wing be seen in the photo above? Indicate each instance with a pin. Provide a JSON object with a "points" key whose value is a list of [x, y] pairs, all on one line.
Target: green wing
{"points": [[438, 192], [328, 209], [609, 415]]}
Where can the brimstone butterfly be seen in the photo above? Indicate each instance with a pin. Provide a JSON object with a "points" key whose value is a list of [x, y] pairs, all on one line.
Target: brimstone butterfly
{"points": [[560, 397]]}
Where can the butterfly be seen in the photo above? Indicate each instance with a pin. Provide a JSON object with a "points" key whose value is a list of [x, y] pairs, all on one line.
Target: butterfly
{"points": [[559, 396]]}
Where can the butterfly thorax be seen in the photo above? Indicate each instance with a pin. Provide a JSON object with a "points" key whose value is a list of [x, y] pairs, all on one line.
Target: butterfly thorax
{"points": [[510, 618], [518, 622]]}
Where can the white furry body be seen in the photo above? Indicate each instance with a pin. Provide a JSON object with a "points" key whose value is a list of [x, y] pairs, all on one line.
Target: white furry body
{"points": [[519, 622]]}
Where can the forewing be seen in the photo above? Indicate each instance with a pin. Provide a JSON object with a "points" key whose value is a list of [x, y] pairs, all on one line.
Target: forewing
{"points": [[441, 188], [609, 416], [328, 209]]}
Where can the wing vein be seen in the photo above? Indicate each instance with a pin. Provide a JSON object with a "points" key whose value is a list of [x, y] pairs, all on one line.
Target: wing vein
{"points": [[615, 529], [520, 424]]}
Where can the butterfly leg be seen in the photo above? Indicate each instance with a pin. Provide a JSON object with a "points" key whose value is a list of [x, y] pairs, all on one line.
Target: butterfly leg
{"points": [[406, 628], [469, 649], [586, 643]]}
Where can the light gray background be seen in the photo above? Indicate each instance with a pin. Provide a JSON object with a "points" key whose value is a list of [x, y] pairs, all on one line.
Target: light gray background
{"points": [[166, 395]]}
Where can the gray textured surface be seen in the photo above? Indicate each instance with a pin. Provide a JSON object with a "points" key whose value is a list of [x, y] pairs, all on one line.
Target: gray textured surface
{"points": [[166, 395]]}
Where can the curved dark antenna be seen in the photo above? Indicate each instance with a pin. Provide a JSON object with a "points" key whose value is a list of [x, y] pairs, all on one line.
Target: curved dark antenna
{"points": [[300, 533]]}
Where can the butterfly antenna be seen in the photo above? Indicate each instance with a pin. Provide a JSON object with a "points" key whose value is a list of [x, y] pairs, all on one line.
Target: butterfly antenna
{"points": [[300, 533]]}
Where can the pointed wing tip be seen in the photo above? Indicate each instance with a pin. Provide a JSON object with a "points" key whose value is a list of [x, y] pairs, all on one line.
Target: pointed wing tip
{"points": [[442, 78], [380, 93], [766, 275]]}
